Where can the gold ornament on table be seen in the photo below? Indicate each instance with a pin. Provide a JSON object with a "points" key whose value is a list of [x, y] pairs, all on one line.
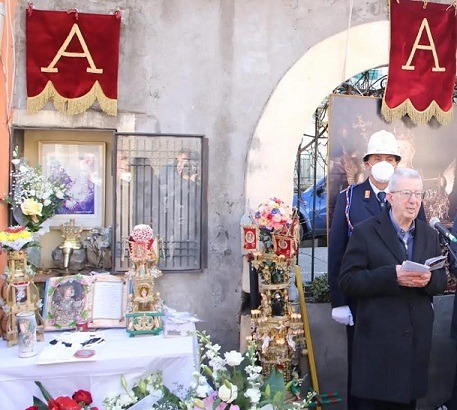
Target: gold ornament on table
{"points": [[145, 310], [19, 294], [72, 241], [277, 330]]}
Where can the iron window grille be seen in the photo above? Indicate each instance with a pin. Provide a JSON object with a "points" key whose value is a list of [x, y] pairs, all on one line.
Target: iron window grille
{"points": [[160, 180]]}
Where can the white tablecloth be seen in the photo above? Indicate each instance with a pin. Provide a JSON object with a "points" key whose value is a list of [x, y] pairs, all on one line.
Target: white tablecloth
{"points": [[121, 355]]}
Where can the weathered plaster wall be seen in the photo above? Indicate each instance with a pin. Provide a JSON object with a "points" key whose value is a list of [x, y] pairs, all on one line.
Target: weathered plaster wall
{"points": [[210, 67]]}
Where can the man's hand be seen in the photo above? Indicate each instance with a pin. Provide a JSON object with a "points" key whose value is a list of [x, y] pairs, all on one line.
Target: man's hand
{"points": [[343, 315], [412, 279]]}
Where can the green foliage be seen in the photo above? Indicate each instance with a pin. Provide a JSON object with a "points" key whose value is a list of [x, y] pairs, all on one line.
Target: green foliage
{"points": [[320, 290], [273, 389]]}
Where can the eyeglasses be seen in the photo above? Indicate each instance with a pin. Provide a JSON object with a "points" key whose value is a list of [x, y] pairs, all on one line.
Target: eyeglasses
{"points": [[406, 194]]}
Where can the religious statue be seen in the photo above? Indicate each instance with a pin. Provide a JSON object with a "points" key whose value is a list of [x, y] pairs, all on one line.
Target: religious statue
{"points": [[98, 245]]}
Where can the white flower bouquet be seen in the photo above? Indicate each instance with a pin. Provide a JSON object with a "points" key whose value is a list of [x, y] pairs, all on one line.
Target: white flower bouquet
{"points": [[231, 382], [34, 198]]}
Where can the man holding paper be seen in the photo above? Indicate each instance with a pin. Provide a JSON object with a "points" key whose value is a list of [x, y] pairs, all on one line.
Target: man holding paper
{"points": [[394, 324]]}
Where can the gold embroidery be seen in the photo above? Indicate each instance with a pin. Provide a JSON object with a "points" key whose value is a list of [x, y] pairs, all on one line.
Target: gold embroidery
{"points": [[431, 47], [51, 68]]}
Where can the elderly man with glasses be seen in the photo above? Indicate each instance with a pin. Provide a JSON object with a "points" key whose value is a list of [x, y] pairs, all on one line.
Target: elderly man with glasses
{"points": [[393, 331]]}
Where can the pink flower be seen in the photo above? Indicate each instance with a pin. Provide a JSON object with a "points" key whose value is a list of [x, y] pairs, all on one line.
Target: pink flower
{"points": [[273, 214], [208, 401]]}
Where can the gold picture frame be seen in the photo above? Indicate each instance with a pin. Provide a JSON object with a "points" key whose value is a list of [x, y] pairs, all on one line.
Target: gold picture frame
{"points": [[108, 301]]}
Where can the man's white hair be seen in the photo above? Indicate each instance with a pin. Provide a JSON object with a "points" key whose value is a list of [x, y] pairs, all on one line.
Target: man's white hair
{"points": [[402, 173]]}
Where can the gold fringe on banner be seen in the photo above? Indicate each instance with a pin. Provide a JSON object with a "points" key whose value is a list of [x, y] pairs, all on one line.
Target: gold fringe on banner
{"points": [[72, 106], [417, 117]]}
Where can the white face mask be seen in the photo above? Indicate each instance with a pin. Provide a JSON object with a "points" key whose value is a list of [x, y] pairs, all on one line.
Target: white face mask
{"points": [[382, 171]]}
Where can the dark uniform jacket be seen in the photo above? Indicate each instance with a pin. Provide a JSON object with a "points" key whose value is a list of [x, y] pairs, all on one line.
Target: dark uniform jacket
{"points": [[393, 331]]}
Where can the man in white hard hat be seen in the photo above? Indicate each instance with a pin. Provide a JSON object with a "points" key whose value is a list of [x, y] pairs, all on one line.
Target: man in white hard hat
{"points": [[354, 205]]}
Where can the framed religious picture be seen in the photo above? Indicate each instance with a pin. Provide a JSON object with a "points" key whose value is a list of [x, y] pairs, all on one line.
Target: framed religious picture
{"points": [[83, 301], [284, 245], [66, 302], [81, 167], [249, 238]]}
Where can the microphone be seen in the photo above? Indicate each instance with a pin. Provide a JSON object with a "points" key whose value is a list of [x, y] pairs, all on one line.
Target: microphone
{"points": [[435, 223]]}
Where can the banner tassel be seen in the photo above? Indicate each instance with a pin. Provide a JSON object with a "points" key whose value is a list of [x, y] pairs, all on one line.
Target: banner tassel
{"points": [[417, 117], [72, 106]]}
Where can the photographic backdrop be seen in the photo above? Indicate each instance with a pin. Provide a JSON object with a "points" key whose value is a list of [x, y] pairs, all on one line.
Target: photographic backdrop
{"points": [[431, 149]]}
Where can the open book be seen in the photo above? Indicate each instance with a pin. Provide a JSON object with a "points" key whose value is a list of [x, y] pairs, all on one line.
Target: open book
{"points": [[436, 262]]}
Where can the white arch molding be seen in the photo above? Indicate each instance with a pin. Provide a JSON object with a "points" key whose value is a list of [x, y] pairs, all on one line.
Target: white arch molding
{"points": [[289, 111]]}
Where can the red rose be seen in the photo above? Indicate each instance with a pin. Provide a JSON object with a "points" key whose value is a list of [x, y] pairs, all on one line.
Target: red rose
{"points": [[82, 396], [32, 408], [63, 403], [52, 405]]}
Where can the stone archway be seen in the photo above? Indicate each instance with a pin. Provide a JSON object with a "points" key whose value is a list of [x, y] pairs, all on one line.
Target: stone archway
{"points": [[289, 110]]}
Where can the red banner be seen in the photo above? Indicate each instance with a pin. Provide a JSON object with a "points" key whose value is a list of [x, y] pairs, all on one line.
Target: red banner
{"points": [[422, 64], [249, 238], [72, 59], [284, 245]]}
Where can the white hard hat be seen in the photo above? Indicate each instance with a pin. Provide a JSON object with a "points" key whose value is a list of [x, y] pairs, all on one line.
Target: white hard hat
{"points": [[382, 142]]}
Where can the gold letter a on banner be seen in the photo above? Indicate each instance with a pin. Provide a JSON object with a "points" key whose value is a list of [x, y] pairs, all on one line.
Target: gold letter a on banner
{"points": [[51, 68], [416, 46]]}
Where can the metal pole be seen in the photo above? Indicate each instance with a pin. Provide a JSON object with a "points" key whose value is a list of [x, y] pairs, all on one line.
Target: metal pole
{"points": [[313, 220], [306, 328]]}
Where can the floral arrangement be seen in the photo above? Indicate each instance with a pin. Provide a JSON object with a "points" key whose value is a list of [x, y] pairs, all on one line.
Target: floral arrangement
{"points": [[34, 198], [142, 233], [273, 215], [273, 218], [15, 238], [235, 382], [231, 382], [81, 400], [141, 243], [150, 387]]}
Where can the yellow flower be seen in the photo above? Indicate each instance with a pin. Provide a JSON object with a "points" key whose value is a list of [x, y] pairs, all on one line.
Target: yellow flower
{"points": [[32, 208]]}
